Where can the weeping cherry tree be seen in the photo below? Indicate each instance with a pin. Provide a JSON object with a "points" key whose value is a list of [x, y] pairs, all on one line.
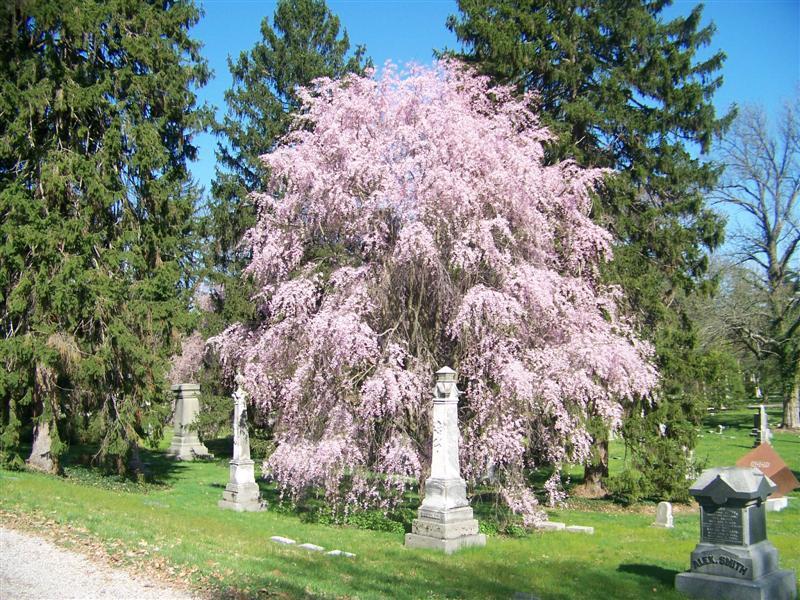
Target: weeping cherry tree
{"points": [[410, 222]]}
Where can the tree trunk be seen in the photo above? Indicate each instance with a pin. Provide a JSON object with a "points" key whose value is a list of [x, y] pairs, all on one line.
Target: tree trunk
{"points": [[791, 403], [596, 472], [41, 459]]}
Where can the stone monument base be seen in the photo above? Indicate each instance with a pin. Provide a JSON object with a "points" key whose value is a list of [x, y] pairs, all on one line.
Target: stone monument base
{"points": [[242, 493], [242, 497], [446, 530], [188, 447], [777, 585]]}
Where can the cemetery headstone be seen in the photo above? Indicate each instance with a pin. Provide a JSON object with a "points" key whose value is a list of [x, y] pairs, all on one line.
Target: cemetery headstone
{"points": [[579, 529], [312, 547], [242, 493], [445, 520], [185, 443], [734, 559], [760, 430], [766, 459], [664, 515], [279, 539]]}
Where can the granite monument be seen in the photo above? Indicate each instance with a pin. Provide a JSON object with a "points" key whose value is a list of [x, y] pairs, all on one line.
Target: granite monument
{"points": [[734, 560], [242, 493]]}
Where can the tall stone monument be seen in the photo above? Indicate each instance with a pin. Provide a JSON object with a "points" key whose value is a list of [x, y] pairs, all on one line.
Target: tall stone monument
{"points": [[185, 443], [242, 493], [760, 431], [445, 518], [734, 560]]}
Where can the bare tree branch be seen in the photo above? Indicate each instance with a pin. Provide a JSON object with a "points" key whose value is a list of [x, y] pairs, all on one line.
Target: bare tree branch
{"points": [[760, 305]]}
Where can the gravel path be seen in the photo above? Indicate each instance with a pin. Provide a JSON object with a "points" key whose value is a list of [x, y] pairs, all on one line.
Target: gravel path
{"points": [[33, 568]]}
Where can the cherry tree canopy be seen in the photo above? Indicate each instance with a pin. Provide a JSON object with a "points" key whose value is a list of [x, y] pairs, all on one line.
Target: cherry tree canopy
{"points": [[411, 223]]}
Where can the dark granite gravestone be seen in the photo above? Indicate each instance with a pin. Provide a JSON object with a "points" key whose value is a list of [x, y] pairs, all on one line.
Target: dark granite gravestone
{"points": [[734, 560]]}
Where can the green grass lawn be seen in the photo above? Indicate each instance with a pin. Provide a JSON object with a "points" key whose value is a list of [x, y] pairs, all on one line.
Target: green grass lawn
{"points": [[178, 522]]}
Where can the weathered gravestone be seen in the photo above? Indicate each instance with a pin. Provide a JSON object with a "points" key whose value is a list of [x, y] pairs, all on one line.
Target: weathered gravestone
{"points": [[760, 430], [242, 493], [445, 518], [765, 459], [664, 515], [185, 443], [734, 560]]}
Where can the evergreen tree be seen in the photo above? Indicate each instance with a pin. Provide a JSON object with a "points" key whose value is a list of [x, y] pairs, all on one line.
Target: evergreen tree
{"points": [[304, 42], [623, 89], [97, 113]]}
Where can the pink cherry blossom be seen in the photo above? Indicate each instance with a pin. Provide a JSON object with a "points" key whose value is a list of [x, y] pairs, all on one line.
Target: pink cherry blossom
{"points": [[410, 223], [185, 366]]}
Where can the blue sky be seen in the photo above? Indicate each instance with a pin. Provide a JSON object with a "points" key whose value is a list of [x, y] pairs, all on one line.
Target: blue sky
{"points": [[760, 37]]}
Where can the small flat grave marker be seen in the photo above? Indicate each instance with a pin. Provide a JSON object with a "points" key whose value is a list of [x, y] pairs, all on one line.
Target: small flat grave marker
{"points": [[340, 553], [282, 540], [580, 529], [777, 504], [551, 526], [312, 547]]}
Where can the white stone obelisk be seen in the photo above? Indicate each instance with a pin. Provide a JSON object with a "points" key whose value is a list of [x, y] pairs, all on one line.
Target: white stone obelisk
{"points": [[185, 443], [242, 493], [445, 518]]}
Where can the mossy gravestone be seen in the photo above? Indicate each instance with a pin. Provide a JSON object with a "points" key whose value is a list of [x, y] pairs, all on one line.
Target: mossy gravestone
{"points": [[734, 560]]}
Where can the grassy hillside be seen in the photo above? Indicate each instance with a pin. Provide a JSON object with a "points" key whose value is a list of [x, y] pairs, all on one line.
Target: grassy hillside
{"points": [[174, 526]]}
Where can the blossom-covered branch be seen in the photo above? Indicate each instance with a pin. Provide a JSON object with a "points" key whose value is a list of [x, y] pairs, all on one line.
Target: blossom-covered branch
{"points": [[410, 223]]}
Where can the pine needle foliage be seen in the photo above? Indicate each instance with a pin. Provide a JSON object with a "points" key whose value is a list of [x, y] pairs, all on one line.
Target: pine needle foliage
{"points": [[97, 115]]}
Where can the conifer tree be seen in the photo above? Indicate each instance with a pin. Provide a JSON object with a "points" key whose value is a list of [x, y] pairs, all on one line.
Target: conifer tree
{"points": [[624, 89], [304, 42], [97, 113]]}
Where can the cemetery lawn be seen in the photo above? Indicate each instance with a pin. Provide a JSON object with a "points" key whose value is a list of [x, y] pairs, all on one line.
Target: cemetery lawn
{"points": [[174, 527]]}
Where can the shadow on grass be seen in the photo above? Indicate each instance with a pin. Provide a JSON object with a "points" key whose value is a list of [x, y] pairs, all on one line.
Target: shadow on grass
{"points": [[221, 448], [159, 470], [664, 576], [731, 419]]}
